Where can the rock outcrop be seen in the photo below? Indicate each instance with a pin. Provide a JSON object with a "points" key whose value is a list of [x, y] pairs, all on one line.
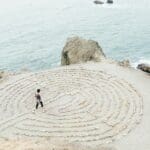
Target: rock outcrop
{"points": [[1, 74], [98, 2], [144, 67], [110, 1], [78, 50], [5, 75], [125, 63]]}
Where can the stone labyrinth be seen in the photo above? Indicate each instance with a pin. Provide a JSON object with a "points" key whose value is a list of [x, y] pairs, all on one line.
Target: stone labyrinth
{"points": [[80, 105]]}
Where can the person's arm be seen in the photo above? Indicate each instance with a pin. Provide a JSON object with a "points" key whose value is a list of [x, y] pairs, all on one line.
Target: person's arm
{"points": [[35, 95], [40, 96]]}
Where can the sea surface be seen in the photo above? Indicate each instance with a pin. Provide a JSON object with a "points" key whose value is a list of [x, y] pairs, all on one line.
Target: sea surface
{"points": [[33, 32]]}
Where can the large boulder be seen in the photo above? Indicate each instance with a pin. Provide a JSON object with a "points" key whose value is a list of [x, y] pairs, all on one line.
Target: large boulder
{"points": [[78, 50], [144, 67], [98, 2]]}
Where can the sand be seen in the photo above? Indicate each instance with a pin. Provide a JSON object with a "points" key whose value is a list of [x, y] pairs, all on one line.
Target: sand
{"points": [[46, 144], [93, 104]]}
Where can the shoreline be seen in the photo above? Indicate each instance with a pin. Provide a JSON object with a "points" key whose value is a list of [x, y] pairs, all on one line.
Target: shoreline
{"points": [[7, 73], [138, 79], [133, 65], [90, 101]]}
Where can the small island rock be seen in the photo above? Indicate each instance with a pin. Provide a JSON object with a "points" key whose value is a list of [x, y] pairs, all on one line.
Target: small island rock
{"points": [[98, 2], [110, 1]]}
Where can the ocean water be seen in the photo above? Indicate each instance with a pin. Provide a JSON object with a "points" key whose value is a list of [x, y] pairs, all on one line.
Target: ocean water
{"points": [[33, 32]]}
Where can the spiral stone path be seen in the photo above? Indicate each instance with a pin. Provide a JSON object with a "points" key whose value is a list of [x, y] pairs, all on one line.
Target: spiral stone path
{"points": [[80, 105]]}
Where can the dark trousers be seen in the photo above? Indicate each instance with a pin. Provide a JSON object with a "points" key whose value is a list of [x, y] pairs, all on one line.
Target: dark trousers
{"points": [[37, 104]]}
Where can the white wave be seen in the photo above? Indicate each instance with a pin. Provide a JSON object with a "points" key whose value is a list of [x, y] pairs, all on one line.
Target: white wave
{"points": [[142, 60]]}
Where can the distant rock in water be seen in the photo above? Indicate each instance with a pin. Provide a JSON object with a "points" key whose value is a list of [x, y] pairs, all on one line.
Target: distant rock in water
{"points": [[110, 1], [144, 67], [78, 50], [98, 2]]}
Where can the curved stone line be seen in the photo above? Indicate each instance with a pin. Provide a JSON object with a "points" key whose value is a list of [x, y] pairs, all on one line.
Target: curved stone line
{"points": [[80, 105]]}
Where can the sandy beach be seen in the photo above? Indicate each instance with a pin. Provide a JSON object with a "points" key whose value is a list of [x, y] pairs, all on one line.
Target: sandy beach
{"points": [[75, 75], [92, 104]]}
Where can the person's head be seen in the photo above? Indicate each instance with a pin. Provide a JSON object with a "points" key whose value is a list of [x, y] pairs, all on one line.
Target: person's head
{"points": [[38, 90]]}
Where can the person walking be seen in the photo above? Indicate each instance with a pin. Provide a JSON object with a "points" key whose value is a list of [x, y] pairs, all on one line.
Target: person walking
{"points": [[38, 99]]}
